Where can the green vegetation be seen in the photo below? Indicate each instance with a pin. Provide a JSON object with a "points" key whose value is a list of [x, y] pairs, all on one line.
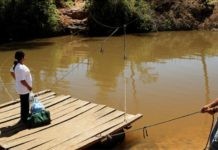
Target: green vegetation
{"points": [[116, 13], [63, 3], [152, 15], [22, 19]]}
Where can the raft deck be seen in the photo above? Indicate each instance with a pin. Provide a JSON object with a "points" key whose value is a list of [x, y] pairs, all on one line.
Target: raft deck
{"points": [[76, 124]]}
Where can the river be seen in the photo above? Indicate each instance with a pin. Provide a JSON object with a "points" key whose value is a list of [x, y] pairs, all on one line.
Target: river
{"points": [[167, 74]]}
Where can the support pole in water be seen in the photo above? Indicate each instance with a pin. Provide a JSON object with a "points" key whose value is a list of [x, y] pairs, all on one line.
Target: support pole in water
{"points": [[124, 31], [125, 105]]}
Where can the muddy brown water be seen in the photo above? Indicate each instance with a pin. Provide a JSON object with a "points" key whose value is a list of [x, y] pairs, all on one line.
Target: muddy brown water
{"points": [[168, 74]]}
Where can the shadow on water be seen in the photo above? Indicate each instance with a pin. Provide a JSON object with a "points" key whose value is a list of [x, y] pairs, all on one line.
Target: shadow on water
{"points": [[24, 45], [108, 143], [206, 79]]}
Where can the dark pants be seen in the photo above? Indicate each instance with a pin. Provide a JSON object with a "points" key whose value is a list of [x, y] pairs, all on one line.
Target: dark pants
{"points": [[214, 138], [24, 104]]}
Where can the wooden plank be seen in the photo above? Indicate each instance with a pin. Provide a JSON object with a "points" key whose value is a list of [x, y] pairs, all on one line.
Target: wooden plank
{"points": [[70, 106], [16, 111], [17, 105], [9, 117], [90, 133], [13, 116], [82, 119], [4, 116], [43, 97], [55, 101], [104, 128], [14, 128], [42, 92], [51, 98], [76, 105], [17, 100], [17, 142], [27, 145], [11, 122], [82, 122], [52, 116], [60, 106], [89, 125], [11, 107], [54, 123], [44, 141], [95, 139], [98, 123], [40, 138]]}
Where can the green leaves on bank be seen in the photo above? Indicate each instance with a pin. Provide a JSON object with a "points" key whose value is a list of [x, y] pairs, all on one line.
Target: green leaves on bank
{"points": [[27, 18], [117, 13]]}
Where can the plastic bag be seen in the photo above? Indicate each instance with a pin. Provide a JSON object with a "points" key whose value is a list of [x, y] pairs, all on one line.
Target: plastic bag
{"points": [[37, 106], [31, 98], [39, 119]]}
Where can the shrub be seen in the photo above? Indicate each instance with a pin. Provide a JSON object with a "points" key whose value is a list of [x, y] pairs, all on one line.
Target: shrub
{"points": [[116, 13], [63, 3], [27, 18]]}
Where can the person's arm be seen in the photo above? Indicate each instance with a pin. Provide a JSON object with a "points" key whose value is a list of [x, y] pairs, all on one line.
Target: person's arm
{"points": [[12, 72], [13, 75], [26, 85], [211, 107]]}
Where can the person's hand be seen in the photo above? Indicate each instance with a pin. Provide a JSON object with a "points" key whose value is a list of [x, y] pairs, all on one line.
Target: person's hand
{"points": [[210, 110], [205, 108], [29, 88]]}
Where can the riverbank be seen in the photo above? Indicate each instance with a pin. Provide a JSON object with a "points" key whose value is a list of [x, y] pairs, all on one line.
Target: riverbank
{"points": [[78, 17], [165, 16], [74, 18]]}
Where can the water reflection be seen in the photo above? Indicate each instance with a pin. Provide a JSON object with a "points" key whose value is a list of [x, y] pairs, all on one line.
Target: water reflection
{"points": [[168, 74], [206, 80]]}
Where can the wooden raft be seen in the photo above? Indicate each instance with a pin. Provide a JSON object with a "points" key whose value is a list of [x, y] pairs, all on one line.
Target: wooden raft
{"points": [[76, 124]]}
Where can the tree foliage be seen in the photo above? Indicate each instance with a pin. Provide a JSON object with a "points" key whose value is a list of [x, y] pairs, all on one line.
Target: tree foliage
{"points": [[27, 18], [116, 13], [63, 3]]}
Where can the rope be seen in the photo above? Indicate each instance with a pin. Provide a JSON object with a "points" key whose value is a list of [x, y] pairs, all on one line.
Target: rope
{"points": [[145, 131], [102, 24], [132, 21], [73, 68], [111, 27], [144, 128], [108, 38], [5, 88], [172, 119]]}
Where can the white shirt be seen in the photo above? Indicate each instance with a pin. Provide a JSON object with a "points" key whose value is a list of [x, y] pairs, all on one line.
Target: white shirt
{"points": [[22, 72]]}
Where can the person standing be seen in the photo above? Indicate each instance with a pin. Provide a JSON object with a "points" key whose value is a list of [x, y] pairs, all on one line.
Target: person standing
{"points": [[21, 73], [212, 108]]}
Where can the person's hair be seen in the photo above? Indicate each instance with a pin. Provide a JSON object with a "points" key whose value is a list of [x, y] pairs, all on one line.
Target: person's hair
{"points": [[19, 55]]}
